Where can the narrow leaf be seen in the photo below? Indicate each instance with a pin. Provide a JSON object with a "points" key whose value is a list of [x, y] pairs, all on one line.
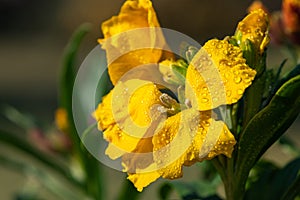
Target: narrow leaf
{"points": [[267, 126]]}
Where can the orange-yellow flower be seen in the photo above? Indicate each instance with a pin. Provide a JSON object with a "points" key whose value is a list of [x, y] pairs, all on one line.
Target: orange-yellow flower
{"points": [[255, 28], [153, 133], [122, 49]]}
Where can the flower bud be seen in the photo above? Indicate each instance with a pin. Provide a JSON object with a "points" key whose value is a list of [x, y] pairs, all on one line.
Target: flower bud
{"points": [[254, 27]]}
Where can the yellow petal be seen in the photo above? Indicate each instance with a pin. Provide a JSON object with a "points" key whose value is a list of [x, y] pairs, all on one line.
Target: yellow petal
{"points": [[133, 14], [125, 116], [103, 114], [142, 180], [257, 4], [188, 137], [255, 27], [131, 39], [224, 144], [217, 75]]}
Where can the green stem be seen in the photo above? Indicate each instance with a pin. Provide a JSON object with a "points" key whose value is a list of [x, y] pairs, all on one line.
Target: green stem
{"points": [[234, 187]]}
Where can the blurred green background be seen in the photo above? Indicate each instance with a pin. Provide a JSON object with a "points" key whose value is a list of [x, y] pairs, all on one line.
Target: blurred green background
{"points": [[33, 35]]}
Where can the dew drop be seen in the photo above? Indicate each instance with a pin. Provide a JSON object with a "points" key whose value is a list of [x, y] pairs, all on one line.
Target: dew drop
{"points": [[236, 72], [204, 100], [219, 46], [247, 80], [240, 91], [237, 79], [205, 88], [206, 123]]}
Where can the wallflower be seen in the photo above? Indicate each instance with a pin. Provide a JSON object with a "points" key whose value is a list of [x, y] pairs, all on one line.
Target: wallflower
{"points": [[254, 27], [135, 14], [153, 133]]}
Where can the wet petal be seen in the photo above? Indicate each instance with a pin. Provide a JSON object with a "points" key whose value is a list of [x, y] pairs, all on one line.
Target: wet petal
{"points": [[217, 75], [126, 44], [188, 137], [126, 128], [141, 180]]}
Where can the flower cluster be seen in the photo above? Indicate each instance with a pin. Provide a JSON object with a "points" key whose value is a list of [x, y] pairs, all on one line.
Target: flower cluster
{"points": [[155, 129]]}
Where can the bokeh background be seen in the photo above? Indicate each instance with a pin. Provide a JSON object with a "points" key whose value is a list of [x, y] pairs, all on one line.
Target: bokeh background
{"points": [[33, 35]]}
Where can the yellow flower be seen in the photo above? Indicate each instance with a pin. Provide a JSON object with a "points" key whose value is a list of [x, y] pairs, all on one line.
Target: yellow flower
{"points": [[153, 133], [254, 27], [134, 118], [231, 71], [121, 34], [61, 119]]}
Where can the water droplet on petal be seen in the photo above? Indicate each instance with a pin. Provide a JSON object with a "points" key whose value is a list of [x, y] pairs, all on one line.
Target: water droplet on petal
{"points": [[204, 100], [237, 79], [240, 91], [205, 88]]}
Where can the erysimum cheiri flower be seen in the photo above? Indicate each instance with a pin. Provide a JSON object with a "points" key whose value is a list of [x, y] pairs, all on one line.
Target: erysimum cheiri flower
{"points": [[255, 27], [153, 133]]}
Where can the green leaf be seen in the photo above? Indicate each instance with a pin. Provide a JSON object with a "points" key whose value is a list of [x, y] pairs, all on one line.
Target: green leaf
{"points": [[272, 182], [67, 78], [180, 73], [267, 126], [294, 72], [90, 165], [293, 191], [68, 71]]}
